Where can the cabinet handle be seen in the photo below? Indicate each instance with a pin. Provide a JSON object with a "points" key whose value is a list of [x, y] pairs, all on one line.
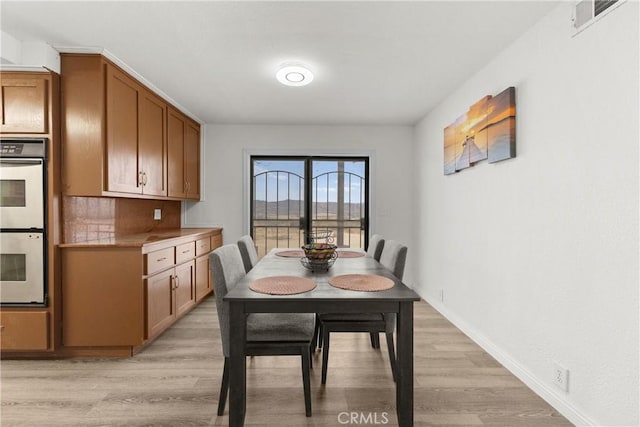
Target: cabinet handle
{"points": [[177, 281], [161, 259], [187, 251], [140, 179], [144, 178]]}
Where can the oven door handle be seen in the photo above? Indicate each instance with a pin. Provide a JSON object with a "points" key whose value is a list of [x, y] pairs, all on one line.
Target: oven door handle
{"points": [[21, 161]]}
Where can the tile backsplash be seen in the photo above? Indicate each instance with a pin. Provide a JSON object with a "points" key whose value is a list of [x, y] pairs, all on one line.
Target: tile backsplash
{"points": [[93, 218]]}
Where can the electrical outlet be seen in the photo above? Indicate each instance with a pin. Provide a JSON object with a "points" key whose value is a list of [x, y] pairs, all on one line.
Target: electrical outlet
{"points": [[157, 214], [561, 377]]}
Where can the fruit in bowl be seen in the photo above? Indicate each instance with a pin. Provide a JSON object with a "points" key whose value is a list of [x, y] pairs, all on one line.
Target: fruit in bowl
{"points": [[319, 251]]}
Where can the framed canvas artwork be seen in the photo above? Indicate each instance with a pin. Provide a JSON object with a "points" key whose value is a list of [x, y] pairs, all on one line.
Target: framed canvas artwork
{"points": [[486, 131]]}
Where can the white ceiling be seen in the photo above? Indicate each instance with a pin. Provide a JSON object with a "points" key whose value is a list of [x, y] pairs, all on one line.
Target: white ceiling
{"points": [[374, 62]]}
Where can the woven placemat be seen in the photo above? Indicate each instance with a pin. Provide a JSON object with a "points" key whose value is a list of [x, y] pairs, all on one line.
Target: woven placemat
{"points": [[361, 282], [290, 254], [282, 285], [350, 254]]}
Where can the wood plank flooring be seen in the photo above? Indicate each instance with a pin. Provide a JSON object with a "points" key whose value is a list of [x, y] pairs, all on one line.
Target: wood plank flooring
{"points": [[176, 381]]}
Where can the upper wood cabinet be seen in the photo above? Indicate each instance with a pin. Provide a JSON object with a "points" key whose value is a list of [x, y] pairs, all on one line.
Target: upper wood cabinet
{"points": [[24, 104], [152, 144], [123, 174], [116, 133], [184, 156]]}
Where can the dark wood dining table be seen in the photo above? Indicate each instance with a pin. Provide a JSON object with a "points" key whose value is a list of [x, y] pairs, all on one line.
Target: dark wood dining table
{"points": [[323, 299]]}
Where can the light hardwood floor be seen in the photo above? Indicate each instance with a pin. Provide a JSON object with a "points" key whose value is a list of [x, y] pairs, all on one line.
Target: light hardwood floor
{"points": [[176, 380]]}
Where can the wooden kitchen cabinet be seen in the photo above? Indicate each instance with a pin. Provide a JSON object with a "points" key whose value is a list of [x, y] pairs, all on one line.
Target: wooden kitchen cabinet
{"points": [[183, 156], [152, 144], [24, 330], [161, 312], [24, 106], [170, 294], [118, 296], [103, 303], [122, 132], [203, 285], [30, 108], [192, 160], [118, 135], [184, 287]]}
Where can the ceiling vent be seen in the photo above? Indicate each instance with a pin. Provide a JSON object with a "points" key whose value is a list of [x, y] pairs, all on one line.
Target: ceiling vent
{"points": [[586, 12]]}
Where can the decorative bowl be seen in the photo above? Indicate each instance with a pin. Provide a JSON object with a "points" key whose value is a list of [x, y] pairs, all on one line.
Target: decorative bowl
{"points": [[319, 265], [319, 251]]}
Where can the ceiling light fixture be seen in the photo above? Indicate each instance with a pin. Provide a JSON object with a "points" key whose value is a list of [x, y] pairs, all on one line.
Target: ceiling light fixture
{"points": [[294, 74]]}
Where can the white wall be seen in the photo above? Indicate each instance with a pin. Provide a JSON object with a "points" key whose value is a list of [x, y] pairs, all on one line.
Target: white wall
{"points": [[225, 170], [538, 256]]}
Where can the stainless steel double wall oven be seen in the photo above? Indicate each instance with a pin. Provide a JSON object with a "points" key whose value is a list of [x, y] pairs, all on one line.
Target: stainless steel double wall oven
{"points": [[23, 255]]}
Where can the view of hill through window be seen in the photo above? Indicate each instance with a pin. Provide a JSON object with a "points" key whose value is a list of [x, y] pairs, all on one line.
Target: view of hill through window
{"points": [[284, 208]]}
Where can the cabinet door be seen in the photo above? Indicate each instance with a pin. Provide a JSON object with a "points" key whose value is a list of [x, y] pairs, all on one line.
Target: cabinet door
{"points": [[175, 162], [160, 302], [192, 160], [122, 133], [24, 330], [203, 284], [23, 107], [152, 144], [184, 288]]}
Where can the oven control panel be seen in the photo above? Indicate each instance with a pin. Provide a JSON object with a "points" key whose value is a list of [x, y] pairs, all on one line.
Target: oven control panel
{"points": [[34, 148], [11, 148]]}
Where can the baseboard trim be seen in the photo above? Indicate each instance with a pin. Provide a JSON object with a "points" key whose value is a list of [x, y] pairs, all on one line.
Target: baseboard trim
{"points": [[547, 393]]}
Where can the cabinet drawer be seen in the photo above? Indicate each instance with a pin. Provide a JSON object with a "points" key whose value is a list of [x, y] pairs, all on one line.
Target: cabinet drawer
{"points": [[159, 260], [216, 241], [185, 252], [24, 330], [203, 246]]}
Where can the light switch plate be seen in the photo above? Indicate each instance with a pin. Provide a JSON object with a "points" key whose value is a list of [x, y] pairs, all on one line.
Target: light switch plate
{"points": [[157, 214]]}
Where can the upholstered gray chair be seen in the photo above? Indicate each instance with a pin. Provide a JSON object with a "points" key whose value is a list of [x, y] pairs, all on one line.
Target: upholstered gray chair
{"points": [[376, 244], [248, 251], [393, 257], [267, 334]]}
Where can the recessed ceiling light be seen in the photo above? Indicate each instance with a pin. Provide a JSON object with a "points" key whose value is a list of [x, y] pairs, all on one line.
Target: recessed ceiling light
{"points": [[294, 74]]}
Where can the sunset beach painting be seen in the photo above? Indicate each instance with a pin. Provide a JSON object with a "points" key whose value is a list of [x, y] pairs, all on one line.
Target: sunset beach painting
{"points": [[486, 131]]}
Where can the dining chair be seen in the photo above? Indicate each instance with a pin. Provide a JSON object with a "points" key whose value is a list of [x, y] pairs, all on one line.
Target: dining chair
{"points": [[376, 244], [393, 257], [268, 334], [248, 251]]}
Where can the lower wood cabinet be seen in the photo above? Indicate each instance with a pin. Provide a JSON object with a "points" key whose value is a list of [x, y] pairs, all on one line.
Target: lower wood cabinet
{"points": [[161, 311], [169, 295], [184, 287], [202, 281], [122, 297], [24, 330]]}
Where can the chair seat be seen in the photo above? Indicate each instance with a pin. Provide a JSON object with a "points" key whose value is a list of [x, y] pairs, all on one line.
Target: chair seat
{"points": [[280, 326], [351, 317]]}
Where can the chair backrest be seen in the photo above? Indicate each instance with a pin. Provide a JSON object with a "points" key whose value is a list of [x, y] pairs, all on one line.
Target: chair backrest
{"points": [[376, 244], [226, 270], [248, 252], [394, 257]]}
